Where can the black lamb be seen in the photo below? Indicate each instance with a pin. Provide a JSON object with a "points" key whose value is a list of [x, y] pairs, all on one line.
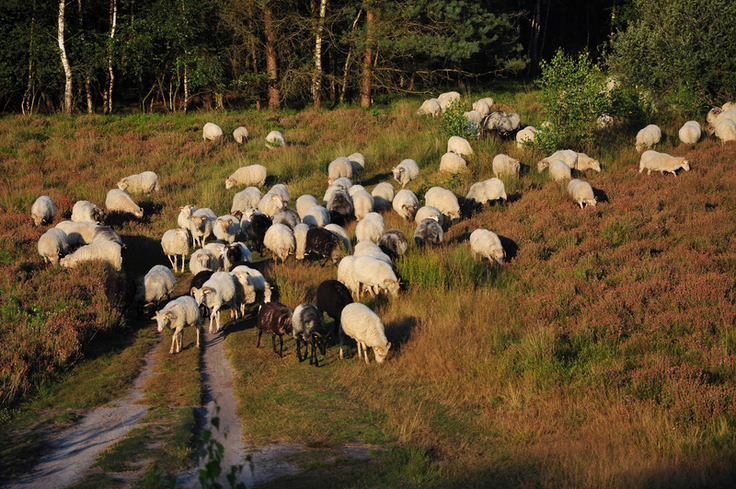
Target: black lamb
{"points": [[332, 297], [274, 318]]}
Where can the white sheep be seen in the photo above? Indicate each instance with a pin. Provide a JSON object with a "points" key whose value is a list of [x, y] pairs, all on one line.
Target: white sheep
{"points": [[282, 191], [729, 114], [175, 242], [246, 199], [106, 233], [648, 137], [240, 135], [177, 315], [445, 201], [728, 106], [280, 240], [340, 232], [184, 213], [78, 233], [107, 251], [84, 211], [482, 107], [662, 162], [430, 107], [505, 165], [569, 156], [406, 171], [489, 101], [690, 132], [271, 204], [581, 192], [383, 195], [53, 245], [486, 244], [459, 146], [405, 204], [317, 216], [157, 286], [203, 259], [340, 167], [275, 139], [452, 163], [252, 175], [43, 210], [369, 248], [559, 171], [343, 182], [300, 240], [119, 201], [226, 228], [217, 249], [363, 325], [429, 212], [473, 116], [525, 136], [362, 202], [375, 274], [585, 162], [140, 183], [370, 228], [244, 290], [200, 225], [218, 291], [486, 191], [256, 279], [303, 204], [346, 274], [726, 130], [211, 132], [445, 99], [358, 162]]}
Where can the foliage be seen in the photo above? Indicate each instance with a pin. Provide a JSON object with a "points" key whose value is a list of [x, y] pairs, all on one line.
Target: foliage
{"points": [[453, 121]]}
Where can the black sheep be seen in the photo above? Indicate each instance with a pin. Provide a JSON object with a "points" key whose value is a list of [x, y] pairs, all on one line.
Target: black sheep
{"points": [[332, 297], [309, 328], [259, 224], [324, 243], [341, 203], [274, 318], [428, 231], [393, 243], [120, 291]]}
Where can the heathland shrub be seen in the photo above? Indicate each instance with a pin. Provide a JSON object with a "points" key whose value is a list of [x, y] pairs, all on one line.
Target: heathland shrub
{"points": [[453, 122]]}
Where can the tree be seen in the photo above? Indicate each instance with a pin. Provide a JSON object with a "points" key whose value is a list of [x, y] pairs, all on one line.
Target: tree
{"points": [[317, 78], [65, 60]]}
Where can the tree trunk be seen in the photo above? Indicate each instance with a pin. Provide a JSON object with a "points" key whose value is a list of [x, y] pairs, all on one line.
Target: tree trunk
{"points": [[271, 60], [65, 61], [317, 79], [365, 88], [186, 89], [29, 96], [534, 44], [87, 91], [347, 62], [110, 74]]}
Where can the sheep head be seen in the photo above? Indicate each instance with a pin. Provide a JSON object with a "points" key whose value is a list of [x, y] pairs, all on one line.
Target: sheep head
{"points": [[381, 352], [163, 319], [392, 286], [229, 183], [685, 165]]}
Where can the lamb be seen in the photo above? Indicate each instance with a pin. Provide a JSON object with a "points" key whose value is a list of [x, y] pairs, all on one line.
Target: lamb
{"points": [[316, 216], [526, 136], [406, 204], [289, 217], [393, 243], [340, 232], [203, 259], [119, 201], [481, 193], [158, 285], [270, 204], [482, 107], [459, 146], [346, 275], [569, 156], [240, 135], [452, 163], [43, 210], [275, 139], [200, 225], [726, 131], [332, 297], [339, 201], [106, 251], [280, 240], [257, 280], [226, 228], [445, 201], [383, 195], [324, 243], [78, 233], [486, 244], [245, 199], [405, 172], [308, 327], [274, 318], [648, 137], [53, 245], [84, 211], [581, 192], [585, 162], [184, 213], [362, 202], [428, 231], [140, 183], [175, 242], [253, 175], [559, 171], [430, 107], [505, 165], [690, 132], [212, 132], [662, 162], [371, 272], [445, 99], [429, 212], [338, 168], [235, 253], [371, 227], [217, 292], [303, 204], [366, 328], [177, 315]]}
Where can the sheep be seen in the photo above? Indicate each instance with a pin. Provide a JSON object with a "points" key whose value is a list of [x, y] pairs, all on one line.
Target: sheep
{"points": [[604, 121], [78, 233], [662, 162], [197, 282], [489, 124], [53, 245], [332, 297], [308, 327], [106, 233], [581, 192], [428, 231], [274, 318], [585, 162], [119, 201], [343, 182], [569, 156], [217, 292], [200, 225], [429, 212], [324, 243], [340, 232], [405, 172], [316, 216], [452, 163], [280, 240], [339, 201], [235, 253], [369, 248], [257, 227], [184, 213], [120, 291], [257, 280], [244, 290], [289, 217], [362, 202], [43, 210], [690, 132], [559, 171], [482, 107], [282, 191], [481, 193], [505, 165], [363, 325], [338, 168], [157, 286], [430, 107], [729, 114], [175, 242], [226, 228], [218, 249], [405, 204], [270, 204], [106, 251], [486, 244], [508, 124], [212, 132], [246, 199], [371, 227], [253, 175], [371, 272], [177, 315], [487, 100], [459, 146], [445, 201], [84, 211], [711, 117], [726, 131], [357, 160], [728, 106], [526, 136], [383, 195], [648, 137], [445, 99], [203, 259], [393, 243], [303, 204], [346, 275], [300, 240], [140, 183], [240, 135], [274, 139]]}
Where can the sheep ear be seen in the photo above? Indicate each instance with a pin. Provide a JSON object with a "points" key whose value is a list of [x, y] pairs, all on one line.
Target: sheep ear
{"points": [[388, 346]]}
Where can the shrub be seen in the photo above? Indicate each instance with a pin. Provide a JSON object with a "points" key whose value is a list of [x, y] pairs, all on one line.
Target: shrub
{"points": [[453, 121]]}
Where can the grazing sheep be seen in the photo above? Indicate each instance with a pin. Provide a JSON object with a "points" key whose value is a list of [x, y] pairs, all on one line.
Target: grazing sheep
{"points": [[177, 315], [53, 245], [728, 106], [486, 244], [445, 201], [343, 182], [729, 114], [648, 137], [175, 242], [219, 291], [489, 124], [340, 167], [726, 130], [289, 217], [257, 280], [369, 248], [324, 243], [581, 192], [405, 204], [569, 156], [505, 165], [78, 233], [372, 272], [690, 132], [140, 183], [84, 211], [316, 216], [662, 162], [526, 136], [235, 253], [274, 318], [340, 232], [253, 175], [282, 191], [332, 297], [200, 225], [452, 163], [270, 204], [346, 275], [339, 201], [106, 251], [308, 327], [445, 99], [363, 325], [370, 228], [240, 135], [459, 146], [362, 202], [585, 162], [157, 286], [358, 162], [487, 100], [383, 195], [119, 201], [481, 193], [184, 213], [280, 240], [275, 139], [508, 124], [429, 212], [43, 210], [303, 204], [203, 259], [393, 243], [482, 107], [430, 107], [559, 171], [300, 240], [211, 132], [257, 227], [245, 199], [405, 172], [226, 228], [106, 233], [430, 232]]}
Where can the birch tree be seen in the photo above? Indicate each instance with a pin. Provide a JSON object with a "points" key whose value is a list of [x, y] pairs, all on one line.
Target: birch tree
{"points": [[64, 60], [317, 79]]}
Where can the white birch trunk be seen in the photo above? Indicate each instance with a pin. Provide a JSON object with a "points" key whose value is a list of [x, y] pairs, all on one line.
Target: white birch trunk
{"points": [[65, 61], [317, 79], [110, 73]]}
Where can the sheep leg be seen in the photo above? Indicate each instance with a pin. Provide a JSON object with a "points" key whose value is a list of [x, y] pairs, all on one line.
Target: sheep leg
{"points": [[299, 351], [258, 339], [281, 348], [197, 326], [173, 263]]}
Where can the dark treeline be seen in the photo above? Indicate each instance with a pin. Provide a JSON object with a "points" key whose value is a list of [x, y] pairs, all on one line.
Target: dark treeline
{"points": [[98, 56]]}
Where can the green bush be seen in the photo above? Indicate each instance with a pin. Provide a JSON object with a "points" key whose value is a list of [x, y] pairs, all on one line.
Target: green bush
{"points": [[453, 121]]}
